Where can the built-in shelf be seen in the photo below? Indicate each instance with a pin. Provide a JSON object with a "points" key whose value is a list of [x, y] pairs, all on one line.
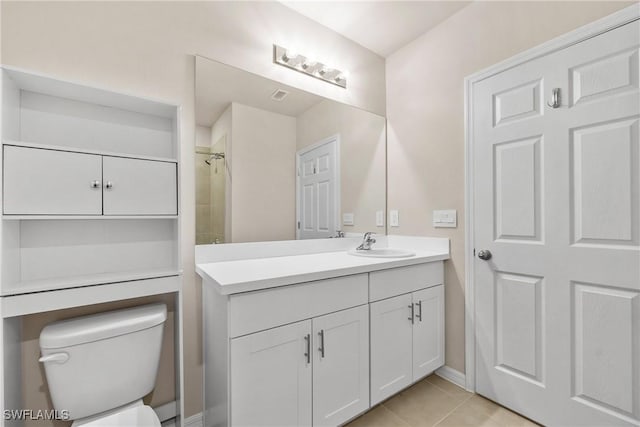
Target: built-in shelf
{"points": [[85, 151], [46, 285], [36, 302], [76, 217]]}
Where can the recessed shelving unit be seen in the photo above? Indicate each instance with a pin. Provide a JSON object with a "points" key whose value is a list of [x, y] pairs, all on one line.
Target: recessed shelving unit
{"points": [[90, 204]]}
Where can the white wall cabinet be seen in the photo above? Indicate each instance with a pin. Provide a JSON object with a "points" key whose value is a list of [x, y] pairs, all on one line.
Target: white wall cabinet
{"points": [[49, 182], [62, 247], [139, 187], [275, 373], [407, 340], [54, 182]]}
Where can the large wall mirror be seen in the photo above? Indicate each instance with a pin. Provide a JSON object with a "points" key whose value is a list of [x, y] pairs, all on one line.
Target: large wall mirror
{"points": [[277, 163]]}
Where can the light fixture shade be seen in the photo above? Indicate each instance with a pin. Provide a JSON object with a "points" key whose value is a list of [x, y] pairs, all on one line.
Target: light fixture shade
{"points": [[308, 66]]}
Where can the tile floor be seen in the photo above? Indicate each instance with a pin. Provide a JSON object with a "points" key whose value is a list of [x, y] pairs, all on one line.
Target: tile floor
{"points": [[437, 402]]}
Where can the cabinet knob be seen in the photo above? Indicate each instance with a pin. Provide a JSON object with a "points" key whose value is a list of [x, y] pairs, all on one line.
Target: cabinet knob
{"points": [[95, 184], [109, 185]]}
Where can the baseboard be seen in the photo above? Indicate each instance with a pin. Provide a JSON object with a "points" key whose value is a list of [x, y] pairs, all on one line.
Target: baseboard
{"points": [[194, 420], [453, 376]]}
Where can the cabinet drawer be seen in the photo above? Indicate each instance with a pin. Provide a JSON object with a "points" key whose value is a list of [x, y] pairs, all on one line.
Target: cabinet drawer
{"points": [[50, 182], [396, 281], [254, 311], [139, 187]]}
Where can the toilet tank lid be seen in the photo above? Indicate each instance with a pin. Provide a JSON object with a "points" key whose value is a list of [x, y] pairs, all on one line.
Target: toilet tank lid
{"points": [[95, 327]]}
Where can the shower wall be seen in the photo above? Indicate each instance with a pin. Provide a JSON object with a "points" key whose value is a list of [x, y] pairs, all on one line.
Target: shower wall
{"points": [[218, 177], [204, 229]]}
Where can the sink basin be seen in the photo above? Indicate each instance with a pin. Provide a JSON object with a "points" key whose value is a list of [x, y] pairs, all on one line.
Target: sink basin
{"points": [[383, 253]]}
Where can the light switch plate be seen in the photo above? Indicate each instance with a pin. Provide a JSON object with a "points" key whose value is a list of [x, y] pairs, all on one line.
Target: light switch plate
{"points": [[347, 219], [394, 218], [379, 218], [445, 218]]}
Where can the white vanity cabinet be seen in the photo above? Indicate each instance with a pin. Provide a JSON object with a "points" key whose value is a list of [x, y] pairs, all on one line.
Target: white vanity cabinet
{"points": [[282, 350], [271, 377], [407, 330], [56, 182], [275, 373]]}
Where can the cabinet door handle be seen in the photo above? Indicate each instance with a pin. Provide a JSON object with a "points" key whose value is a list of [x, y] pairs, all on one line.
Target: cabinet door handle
{"points": [[95, 184], [321, 348], [411, 317], [109, 185], [419, 315], [307, 354]]}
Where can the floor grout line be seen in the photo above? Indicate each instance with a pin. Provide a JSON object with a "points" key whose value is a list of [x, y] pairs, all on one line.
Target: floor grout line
{"points": [[453, 410]]}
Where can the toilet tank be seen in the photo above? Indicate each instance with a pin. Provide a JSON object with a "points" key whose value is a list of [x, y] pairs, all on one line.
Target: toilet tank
{"points": [[100, 362]]}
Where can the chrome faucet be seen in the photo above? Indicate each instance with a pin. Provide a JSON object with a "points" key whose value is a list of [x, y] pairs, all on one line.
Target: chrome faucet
{"points": [[367, 241]]}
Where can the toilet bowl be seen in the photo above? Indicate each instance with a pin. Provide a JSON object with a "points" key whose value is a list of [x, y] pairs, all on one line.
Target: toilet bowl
{"points": [[99, 367]]}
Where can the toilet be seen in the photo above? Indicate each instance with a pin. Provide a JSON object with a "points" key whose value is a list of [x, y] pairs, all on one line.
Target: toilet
{"points": [[99, 367]]}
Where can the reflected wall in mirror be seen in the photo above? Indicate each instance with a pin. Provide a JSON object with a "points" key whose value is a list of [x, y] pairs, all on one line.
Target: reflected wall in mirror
{"points": [[277, 163]]}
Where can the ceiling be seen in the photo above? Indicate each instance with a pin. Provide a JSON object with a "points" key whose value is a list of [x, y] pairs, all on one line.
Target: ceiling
{"points": [[217, 85], [381, 26]]}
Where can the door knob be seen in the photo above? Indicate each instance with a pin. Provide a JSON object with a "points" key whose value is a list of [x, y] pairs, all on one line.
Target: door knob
{"points": [[484, 254]]}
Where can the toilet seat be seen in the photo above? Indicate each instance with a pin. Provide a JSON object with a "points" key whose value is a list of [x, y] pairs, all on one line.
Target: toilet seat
{"points": [[138, 416]]}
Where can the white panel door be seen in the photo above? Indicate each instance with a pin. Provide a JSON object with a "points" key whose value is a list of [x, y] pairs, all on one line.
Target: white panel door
{"points": [[317, 186], [139, 187], [271, 377], [391, 346], [50, 182], [340, 366], [428, 331], [557, 203]]}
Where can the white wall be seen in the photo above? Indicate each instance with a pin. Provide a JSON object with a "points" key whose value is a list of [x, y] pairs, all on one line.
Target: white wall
{"points": [[263, 175], [425, 111], [146, 48]]}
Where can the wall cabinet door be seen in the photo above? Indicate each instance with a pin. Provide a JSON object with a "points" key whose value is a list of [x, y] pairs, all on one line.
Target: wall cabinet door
{"points": [[340, 366], [139, 187], [391, 354], [428, 331], [271, 377], [50, 182]]}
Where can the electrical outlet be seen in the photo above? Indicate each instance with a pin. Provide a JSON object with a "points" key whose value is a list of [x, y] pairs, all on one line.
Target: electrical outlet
{"points": [[347, 219], [379, 218], [394, 218]]}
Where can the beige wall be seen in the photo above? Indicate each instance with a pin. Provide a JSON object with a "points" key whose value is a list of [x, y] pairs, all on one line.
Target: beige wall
{"points": [[145, 48], [425, 110], [362, 157], [263, 175]]}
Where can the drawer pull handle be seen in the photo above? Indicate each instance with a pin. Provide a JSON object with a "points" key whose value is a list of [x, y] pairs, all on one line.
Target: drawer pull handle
{"points": [[412, 311], [109, 185], [307, 354], [95, 184], [321, 348], [419, 315]]}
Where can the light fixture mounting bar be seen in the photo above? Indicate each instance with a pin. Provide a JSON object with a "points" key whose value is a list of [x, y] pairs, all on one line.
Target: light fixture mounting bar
{"points": [[308, 66]]}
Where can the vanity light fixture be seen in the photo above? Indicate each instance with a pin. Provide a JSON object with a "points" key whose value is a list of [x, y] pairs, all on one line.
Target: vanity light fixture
{"points": [[302, 64]]}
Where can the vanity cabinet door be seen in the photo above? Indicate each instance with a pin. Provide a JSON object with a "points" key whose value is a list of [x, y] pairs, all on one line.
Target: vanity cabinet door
{"points": [[391, 346], [271, 377], [340, 366], [51, 182], [139, 187], [428, 331]]}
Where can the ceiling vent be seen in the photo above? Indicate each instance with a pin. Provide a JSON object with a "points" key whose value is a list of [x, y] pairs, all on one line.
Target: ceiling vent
{"points": [[279, 95]]}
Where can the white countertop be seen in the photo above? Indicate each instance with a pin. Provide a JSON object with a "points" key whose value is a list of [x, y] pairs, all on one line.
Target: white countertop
{"points": [[231, 277]]}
